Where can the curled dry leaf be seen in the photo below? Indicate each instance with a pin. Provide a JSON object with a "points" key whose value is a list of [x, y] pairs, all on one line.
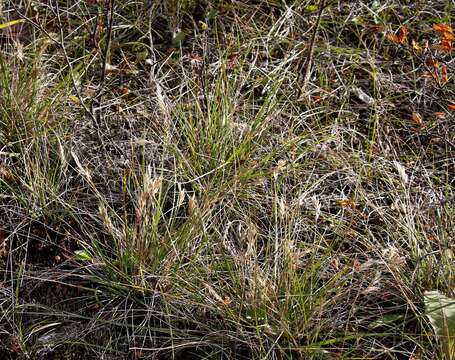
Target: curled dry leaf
{"points": [[432, 62], [439, 115], [447, 37], [392, 37], [436, 71], [444, 75], [400, 38], [417, 119], [402, 34], [346, 203], [451, 107], [232, 60], [316, 98], [446, 44], [227, 300], [442, 28], [123, 90]]}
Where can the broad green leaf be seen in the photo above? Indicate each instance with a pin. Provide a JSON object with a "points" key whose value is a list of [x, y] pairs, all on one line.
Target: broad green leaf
{"points": [[440, 310], [386, 320], [82, 255], [178, 38]]}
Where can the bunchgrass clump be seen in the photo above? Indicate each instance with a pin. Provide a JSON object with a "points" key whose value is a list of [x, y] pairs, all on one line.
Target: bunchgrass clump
{"points": [[226, 180]]}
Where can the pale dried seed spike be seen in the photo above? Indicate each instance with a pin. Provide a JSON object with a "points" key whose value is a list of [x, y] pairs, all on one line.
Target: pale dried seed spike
{"points": [[181, 198], [192, 205], [402, 172], [84, 171], [107, 222]]}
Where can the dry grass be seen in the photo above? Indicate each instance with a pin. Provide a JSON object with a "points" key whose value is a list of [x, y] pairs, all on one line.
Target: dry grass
{"points": [[223, 179]]}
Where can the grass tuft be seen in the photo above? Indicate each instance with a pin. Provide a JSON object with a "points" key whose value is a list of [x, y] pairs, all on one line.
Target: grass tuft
{"points": [[225, 180]]}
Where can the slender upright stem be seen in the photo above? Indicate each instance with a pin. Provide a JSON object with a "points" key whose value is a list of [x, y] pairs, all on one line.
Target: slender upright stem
{"points": [[304, 69]]}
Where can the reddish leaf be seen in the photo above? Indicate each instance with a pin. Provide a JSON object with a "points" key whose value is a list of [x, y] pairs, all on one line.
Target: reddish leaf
{"points": [[447, 37], [444, 76], [402, 34], [417, 119], [446, 44], [316, 98], [124, 90], [226, 300], [442, 28], [393, 38], [439, 115], [431, 62], [232, 60], [400, 38], [347, 203]]}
